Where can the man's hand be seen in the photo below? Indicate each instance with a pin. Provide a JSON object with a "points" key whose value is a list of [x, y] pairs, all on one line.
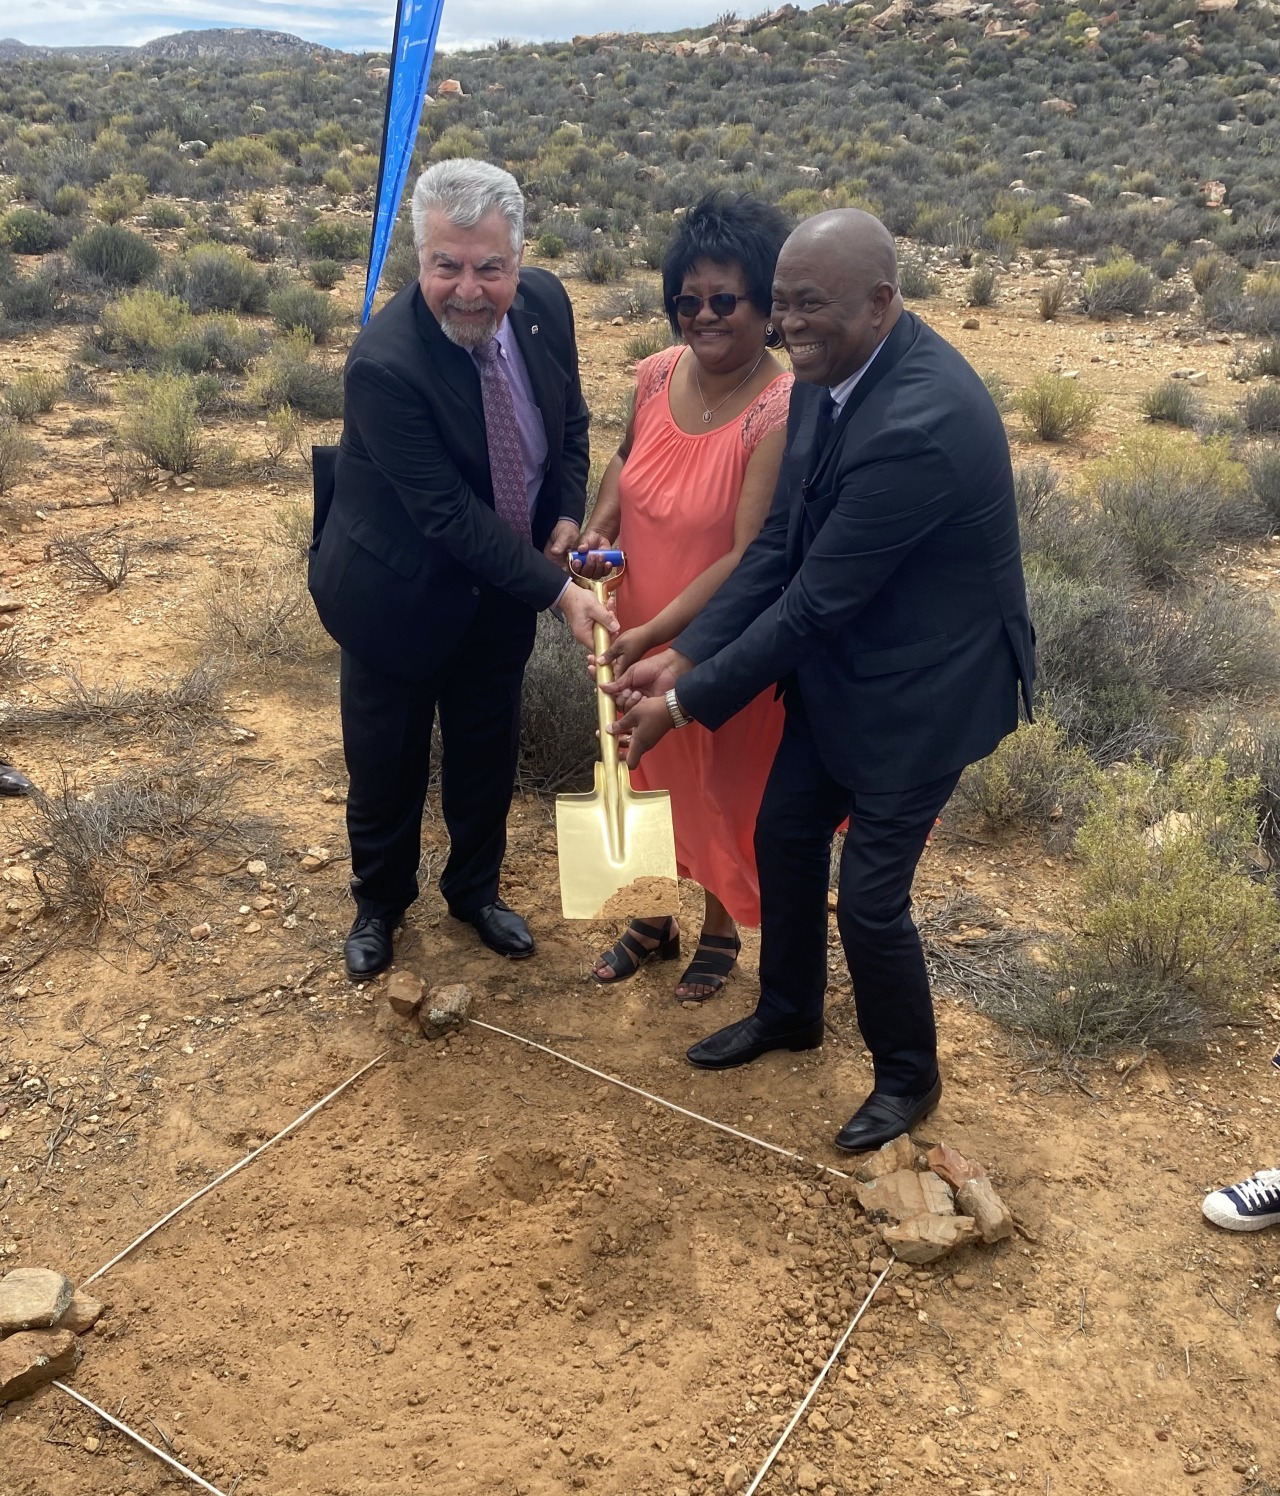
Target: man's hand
{"points": [[580, 611], [561, 541], [647, 723], [652, 677]]}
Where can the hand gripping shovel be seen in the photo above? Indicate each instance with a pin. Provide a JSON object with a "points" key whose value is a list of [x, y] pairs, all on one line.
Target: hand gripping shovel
{"points": [[616, 846]]}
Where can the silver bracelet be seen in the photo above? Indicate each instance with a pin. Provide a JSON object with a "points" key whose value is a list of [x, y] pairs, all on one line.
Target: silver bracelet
{"points": [[678, 717]]}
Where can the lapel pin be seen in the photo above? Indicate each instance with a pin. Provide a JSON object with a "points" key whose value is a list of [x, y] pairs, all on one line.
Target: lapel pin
{"points": [[534, 328]]}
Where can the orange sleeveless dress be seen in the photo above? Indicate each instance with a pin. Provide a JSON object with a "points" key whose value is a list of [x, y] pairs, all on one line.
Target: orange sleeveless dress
{"points": [[679, 496]]}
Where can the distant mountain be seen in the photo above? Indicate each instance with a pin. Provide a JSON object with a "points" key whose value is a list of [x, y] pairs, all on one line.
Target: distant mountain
{"points": [[188, 46]]}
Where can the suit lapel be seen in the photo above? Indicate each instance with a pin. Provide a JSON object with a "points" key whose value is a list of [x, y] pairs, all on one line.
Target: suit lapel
{"points": [[534, 349], [458, 376], [891, 350]]}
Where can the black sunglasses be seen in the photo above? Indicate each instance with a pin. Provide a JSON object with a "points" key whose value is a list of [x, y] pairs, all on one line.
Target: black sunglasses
{"points": [[722, 304]]}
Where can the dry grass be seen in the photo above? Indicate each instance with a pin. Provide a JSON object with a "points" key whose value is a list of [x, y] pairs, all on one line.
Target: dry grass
{"points": [[260, 611], [100, 560], [180, 708]]}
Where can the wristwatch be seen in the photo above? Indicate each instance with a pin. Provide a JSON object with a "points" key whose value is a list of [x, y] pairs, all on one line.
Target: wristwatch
{"points": [[678, 718]]}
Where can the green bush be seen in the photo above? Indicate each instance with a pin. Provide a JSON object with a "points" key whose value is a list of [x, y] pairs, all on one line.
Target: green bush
{"points": [[289, 375], [1260, 411], [161, 421], [27, 231], [983, 285], [298, 307], [1266, 361], [36, 299], [1209, 641], [144, 327], [324, 274], [117, 255], [1264, 481], [1173, 402], [1035, 777], [1204, 271], [120, 196], [1121, 285], [915, 282], [643, 344], [163, 215], [549, 246], [1000, 391], [336, 239], [602, 266], [1056, 408], [17, 453], [32, 395], [1051, 299], [212, 278]]}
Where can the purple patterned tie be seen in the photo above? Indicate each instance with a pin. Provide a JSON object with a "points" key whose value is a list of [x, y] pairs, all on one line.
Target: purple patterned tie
{"points": [[506, 465]]}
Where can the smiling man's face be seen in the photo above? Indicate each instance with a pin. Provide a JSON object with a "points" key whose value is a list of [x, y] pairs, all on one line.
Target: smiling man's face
{"points": [[829, 308], [468, 276]]}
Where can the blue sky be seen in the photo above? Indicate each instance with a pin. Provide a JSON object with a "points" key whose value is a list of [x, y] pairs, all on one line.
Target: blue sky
{"points": [[350, 24]]}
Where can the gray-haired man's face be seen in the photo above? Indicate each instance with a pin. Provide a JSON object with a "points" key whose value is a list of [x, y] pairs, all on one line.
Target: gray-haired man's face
{"points": [[468, 276]]}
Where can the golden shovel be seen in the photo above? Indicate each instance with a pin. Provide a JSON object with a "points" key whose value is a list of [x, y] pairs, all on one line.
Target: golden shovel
{"points": [[616, 846]]}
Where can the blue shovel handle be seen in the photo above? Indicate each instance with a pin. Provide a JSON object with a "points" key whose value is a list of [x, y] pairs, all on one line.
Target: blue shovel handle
{"points": [[610, 558]]}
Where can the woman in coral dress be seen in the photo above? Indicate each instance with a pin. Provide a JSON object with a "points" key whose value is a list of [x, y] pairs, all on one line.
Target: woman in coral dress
{"points": [[686, 493]]}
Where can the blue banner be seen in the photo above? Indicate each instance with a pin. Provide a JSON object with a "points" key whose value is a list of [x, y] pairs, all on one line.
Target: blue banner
{"points": [[417, 26]]}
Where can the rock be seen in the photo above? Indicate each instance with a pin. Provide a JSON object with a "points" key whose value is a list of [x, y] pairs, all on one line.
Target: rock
{"points": [[949, 1164], [81, 1314], [808, 1477], [895, 1155], [993, 1218], [405, 991], [839, 1415], [257, 868], [33, 1357], [445, 1010], [937, 1194], [1215, 194], [450, 89], [893, 1197], [201, 932], [925, 1238], [310, 864], [1058, 106], [9, 603], [971, 324], [33, 1298], [1198, 380], [735, 1478]]}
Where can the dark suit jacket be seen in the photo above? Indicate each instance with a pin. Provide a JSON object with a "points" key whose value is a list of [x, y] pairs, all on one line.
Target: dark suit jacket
{"points": [[411, 539], [886, 585]]}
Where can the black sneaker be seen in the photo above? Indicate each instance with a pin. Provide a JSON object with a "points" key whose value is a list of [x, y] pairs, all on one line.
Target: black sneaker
{"points": [[1247, 1206]]}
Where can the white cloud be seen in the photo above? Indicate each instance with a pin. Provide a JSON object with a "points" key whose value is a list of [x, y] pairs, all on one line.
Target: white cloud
{"points": [[352, 24]]}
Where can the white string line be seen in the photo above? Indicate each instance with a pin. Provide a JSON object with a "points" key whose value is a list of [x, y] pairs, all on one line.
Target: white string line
{"points": [[234, 1169], [138, 1439], [671, 1106], [817, 1382]]}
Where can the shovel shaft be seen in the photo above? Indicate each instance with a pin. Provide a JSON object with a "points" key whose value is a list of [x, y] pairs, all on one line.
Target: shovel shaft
{"points": [[607, 715]]}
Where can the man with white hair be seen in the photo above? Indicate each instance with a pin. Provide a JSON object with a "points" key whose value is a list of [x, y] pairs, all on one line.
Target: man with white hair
{"points": [[459, 487]]}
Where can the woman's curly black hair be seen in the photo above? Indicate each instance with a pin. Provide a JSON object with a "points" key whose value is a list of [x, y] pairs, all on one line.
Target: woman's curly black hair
{"points": [[743, 231]]}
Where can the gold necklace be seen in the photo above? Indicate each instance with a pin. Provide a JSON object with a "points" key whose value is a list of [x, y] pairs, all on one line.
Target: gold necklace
{"points": [[709, 411]]}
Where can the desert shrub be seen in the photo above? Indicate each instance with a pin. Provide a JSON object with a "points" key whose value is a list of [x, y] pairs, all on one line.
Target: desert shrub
{"points": [[32, 395], [336, 239], [163, 215], [117, 255], [638, 300], [17, 453], [95, 560], [1264, 481], [982, 286], [1049, 302], [1173, 402], [212, 278], [1210, 640], [1168, 500], [549, 246], [1034, 777], [216, 340], [649, 341], [31, 300], [324, 274], [1260, 411], [292, 528], [161, 421], [915, 282], [557, 713], [1225, 301], [121, 195], [144, 327], [1067, 537], [1266, 361], [1248, 741], [26, 231], [1204, 271], [1000, 390], [1121, 285], [602, 265], [1167, 905], [299, 307], [1056, 408], [289, 375], [259, 611]]}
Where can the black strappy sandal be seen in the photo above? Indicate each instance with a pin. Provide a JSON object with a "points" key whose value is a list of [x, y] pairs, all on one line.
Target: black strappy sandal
{"points": [[627, 957], [711, 966]]}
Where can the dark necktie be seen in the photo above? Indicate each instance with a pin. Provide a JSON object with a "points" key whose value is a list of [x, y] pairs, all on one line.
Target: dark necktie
{"points": [[506, 465]]}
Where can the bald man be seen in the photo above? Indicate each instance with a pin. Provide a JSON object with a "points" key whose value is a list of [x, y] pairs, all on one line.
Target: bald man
{"points": [[885, 595]]}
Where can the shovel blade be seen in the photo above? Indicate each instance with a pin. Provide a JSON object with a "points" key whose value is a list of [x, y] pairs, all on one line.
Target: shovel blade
{"points": [[616, 861]]}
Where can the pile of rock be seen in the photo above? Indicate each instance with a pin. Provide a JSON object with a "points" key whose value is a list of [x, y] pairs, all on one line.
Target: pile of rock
{"points": [[434, 1013], [913, 1198], [42, 1317]]}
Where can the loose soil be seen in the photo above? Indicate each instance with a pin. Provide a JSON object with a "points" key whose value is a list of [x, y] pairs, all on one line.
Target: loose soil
{"points": [[480, 1269]]}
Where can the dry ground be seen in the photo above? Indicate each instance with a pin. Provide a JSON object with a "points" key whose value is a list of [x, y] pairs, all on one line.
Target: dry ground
{"points": [[481, 1270]]}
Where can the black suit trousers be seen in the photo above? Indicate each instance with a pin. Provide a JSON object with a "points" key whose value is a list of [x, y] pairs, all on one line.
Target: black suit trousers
{"points": [[386, 736], [801, 810]]}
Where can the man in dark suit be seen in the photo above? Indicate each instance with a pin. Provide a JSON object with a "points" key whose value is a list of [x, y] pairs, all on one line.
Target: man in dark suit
{"points": [[885, 593], [458, 488]]}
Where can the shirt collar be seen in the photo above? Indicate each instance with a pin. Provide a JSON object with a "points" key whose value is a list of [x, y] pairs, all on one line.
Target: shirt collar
{"points": [[841, 392]]}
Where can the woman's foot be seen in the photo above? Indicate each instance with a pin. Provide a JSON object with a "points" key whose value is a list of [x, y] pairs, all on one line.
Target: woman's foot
{"points": [[641, 941], [710, 968]]}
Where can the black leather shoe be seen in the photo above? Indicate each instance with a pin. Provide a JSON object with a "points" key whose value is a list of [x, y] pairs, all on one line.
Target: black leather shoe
{"points": [[368, 949], [501, 929], [13, 783], [747, 1040], [881, 1118]]}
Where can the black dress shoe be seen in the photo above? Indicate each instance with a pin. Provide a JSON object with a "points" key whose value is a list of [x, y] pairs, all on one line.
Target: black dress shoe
{"points": [[747, 1040], [501, 929], [881, 1118], [13, 783], [368, 949]]}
